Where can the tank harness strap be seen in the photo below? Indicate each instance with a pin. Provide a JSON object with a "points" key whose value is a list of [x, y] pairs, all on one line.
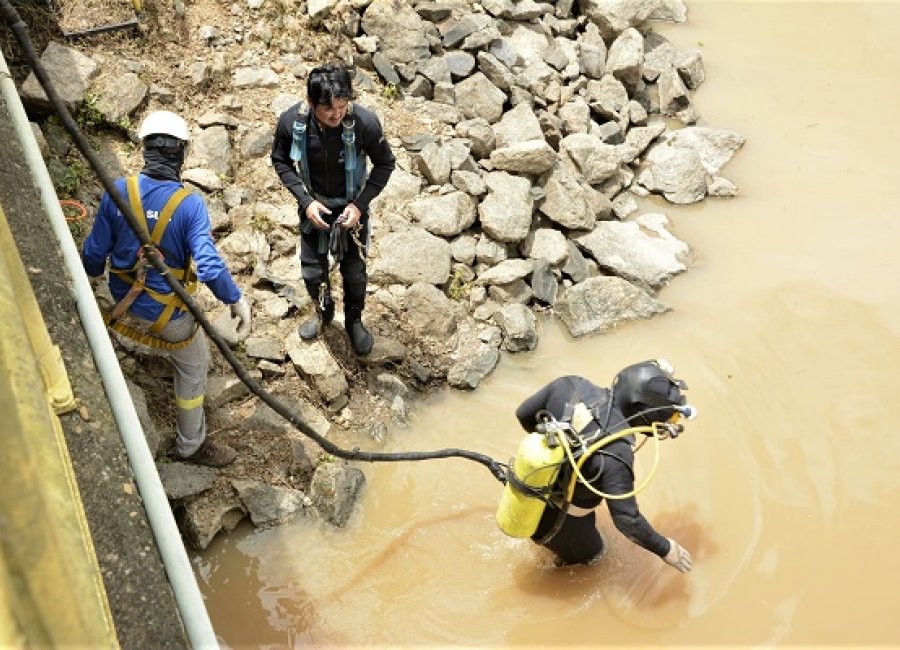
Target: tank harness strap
{"points": [[136, 275], [529, 490], [581, 416], [577, 416]]}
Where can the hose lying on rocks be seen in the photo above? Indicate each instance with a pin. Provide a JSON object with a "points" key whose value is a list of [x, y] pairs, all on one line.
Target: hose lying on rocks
{"points": [[20, 32]]}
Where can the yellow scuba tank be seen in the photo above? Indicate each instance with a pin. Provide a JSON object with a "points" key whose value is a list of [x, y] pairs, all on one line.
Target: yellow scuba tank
{"points": [[536, 465]]}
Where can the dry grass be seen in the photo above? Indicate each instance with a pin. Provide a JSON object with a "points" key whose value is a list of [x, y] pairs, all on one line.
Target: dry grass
{"points": [[42, 28]]}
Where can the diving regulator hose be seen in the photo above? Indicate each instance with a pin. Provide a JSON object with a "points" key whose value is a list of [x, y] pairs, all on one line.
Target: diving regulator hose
{"points": [[20, 32], [653, 431]]}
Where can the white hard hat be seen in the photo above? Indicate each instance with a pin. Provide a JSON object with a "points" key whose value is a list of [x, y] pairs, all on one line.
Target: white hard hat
{"points": [[164, 123]]}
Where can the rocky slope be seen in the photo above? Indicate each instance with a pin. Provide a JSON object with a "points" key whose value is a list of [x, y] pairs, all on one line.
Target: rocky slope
{"points": [[525, 133]]}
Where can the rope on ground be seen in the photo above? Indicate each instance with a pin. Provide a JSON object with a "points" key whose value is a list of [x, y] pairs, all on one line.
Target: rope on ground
{"points": [[81, 208], [20, 31]]}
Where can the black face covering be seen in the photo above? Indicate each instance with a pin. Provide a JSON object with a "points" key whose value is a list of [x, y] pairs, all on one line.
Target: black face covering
{"points": [[163, 164]]}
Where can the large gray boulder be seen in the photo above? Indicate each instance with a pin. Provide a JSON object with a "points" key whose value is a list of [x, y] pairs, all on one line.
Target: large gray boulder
{"points": [[429, 313], [471, 367], [411, 255], [269, 505], [445, 215], [601, 303], [70, 72], [506, 211], [315, 363], [642, 251], [533, 157], [399, 29], [334, 490], [518, 124], [478, 97], [566, 201], [614, 16]]}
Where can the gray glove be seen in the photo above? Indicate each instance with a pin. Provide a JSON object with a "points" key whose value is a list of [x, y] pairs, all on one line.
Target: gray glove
{"points": [[678, 557], [241, 311]]}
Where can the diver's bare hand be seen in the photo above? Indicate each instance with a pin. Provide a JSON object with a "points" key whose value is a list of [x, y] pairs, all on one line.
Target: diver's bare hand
{"points": [[314, 213], [350, 216]]}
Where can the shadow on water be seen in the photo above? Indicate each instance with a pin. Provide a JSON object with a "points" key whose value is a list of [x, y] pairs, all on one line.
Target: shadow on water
{"points": [[396, 544]]}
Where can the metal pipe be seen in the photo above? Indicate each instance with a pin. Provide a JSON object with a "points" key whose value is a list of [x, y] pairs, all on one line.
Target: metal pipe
{"points": [[102, 29], [159, 514]]}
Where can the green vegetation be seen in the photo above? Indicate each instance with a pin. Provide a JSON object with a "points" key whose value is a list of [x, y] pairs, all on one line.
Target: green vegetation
{"points": [[391, 92], [260, 221], [78, 230], [68, 175], [459, 287], [89, 116]]}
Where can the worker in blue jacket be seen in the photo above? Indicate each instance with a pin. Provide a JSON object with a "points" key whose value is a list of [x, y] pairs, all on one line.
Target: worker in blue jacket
{"points": [[147, 309]]}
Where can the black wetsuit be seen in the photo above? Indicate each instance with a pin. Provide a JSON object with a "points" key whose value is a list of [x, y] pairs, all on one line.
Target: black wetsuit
{"points": [[578, 540], [325, 153]]}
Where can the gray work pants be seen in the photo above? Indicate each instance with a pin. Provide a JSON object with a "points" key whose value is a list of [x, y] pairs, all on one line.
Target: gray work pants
{"points": [[191, 367]]}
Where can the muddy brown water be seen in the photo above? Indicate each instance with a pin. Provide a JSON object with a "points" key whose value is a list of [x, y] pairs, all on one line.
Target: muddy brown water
{"points": [[785, 488]]}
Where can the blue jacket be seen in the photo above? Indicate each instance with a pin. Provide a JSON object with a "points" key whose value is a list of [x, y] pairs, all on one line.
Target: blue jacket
{"points": [[189, 233]]}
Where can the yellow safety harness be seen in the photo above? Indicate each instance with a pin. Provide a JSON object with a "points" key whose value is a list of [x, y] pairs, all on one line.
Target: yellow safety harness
{"points": [[136, 276]]}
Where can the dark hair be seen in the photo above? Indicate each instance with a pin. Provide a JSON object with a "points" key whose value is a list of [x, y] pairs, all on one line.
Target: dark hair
{"points": [[328, 82]]}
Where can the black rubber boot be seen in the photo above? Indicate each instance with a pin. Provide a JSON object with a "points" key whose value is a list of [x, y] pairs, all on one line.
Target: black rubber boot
{"points": [[360, 338], [311, 327], [323, 315], [354, 303]]}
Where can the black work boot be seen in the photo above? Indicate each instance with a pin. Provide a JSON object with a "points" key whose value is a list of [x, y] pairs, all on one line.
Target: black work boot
{"points": [[212, 454], [361, 339], [323, 315]]}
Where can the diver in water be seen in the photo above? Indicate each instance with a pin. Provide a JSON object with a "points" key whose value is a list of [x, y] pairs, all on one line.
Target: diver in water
{"points": [[642, 395]]}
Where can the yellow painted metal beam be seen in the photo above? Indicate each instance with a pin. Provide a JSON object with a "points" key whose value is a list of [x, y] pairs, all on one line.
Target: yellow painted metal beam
{"points": [[51, 589], [49, 360]]}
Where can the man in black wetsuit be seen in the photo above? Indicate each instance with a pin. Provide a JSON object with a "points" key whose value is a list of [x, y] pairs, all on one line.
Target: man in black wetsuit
{"points": [[320, 152], [642, 393]]}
